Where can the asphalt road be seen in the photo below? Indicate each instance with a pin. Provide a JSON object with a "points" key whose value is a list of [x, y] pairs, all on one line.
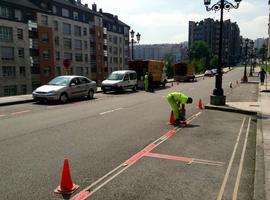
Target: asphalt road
{"points": [[99, 135]]}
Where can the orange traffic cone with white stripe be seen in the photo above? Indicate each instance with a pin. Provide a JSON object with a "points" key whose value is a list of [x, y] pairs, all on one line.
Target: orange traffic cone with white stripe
{"points": [[200, 105], [67, 186]]}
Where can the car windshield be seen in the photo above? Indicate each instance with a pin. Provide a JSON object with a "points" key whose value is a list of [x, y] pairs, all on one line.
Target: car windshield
{"points": [[114, 77], [63, 81]]}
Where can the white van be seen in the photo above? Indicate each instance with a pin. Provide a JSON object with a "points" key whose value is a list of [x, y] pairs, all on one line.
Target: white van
{"points": [[120, 80]]}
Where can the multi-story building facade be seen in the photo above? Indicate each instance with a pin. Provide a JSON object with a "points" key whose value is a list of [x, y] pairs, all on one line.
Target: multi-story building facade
{"points": [[36, 36], [117, 46], [159, 51], [15, 70], [208, 30], [268, 41]]}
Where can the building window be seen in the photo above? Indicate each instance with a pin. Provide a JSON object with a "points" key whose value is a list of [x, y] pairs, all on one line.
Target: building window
{"points": [[78, 44], [20, 33], [23, 89], [78, 57], [9, 71], [115, 39], [54, 10], [110, 38], [22, 71], [21, 52], [79, 71], [115, 50], [58, 71], [57, 55], [67, 43], [10, 90], [110, 49], [18, 15], [56, 40], [77, 31], [75, 15], [66, 29], [47, 71], [115, 60], [84, 31], [120, 40], [5, 34], [110, 60], [55, 25], [45, 55], [65, 12], [85, 45], [7, 53], [45, 37], [5, 12], [44, 20], [86, 57], [68, 55], [98, 34]]}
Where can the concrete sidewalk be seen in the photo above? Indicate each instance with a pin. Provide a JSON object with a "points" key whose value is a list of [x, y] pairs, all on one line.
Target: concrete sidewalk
{"points": [[260, 108]]}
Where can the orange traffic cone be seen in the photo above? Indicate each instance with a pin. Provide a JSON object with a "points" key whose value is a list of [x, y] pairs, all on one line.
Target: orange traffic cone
{"points": [[67, 186], [200, 105], [171, 118]]}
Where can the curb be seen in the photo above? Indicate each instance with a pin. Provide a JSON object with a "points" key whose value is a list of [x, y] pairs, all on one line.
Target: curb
{"points": [[16, 102], [229, 109]]}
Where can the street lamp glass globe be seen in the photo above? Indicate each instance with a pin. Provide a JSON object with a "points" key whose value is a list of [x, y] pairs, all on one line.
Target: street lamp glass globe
{"points": [[138, 36], [132, 34], [237, 1], [207, 2]]}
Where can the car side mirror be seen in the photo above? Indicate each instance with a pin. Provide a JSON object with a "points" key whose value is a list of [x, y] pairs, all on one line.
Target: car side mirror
{"points": [[72, 84]]}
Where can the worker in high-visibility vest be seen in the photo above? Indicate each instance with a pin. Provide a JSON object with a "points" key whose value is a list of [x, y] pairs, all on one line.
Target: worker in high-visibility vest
{"points": [[146, 82], [177, 100]]}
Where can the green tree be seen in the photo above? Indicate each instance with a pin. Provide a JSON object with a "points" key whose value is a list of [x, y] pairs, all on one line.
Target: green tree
{"points": [[262, 53], [200, 54], [169, 59], [214, 61]]}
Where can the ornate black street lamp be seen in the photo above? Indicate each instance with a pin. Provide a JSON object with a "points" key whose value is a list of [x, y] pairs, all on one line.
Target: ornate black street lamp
{"points": [[245, 79], [218, 97], [251, 45], [138, 36]]}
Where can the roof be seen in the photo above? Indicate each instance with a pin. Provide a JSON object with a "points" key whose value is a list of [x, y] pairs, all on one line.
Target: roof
{"points": [[123, 71], [24, 3], [110, 17]]}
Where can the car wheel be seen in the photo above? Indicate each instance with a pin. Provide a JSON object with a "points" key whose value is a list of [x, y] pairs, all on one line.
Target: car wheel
{"points": [[63, 98], [134, 88], [90, 94]]}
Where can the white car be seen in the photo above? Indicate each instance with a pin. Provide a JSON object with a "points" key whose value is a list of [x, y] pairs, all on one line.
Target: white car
{"points": [[63, 88], [120, 80]]}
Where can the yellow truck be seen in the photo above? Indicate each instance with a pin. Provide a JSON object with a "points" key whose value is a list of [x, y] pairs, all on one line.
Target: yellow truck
{"points": [[184, 72], [155, 67]]}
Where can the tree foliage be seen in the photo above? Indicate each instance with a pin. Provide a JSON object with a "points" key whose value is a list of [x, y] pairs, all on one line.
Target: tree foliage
{"points": [[169, 59]]}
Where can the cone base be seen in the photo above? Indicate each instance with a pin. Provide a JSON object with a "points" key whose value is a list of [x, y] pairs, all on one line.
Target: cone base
{"points": [[58, 190]]}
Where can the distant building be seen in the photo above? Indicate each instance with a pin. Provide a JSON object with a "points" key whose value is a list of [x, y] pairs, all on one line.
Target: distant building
{"points": [[36, 36], [268, 56], [258, 43], [208, 30], [159, 51]]}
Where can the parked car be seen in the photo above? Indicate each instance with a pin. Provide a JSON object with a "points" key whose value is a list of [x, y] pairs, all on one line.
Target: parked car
{"points": [[208, 73], [63, 88], [214, 71], [120, 80]]}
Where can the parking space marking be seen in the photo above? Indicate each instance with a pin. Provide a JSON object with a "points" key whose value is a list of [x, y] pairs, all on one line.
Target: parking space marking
{"points": [[20, 112], [235, 191], [184, 159], [94, 187], [221, 192], [110, 111]]}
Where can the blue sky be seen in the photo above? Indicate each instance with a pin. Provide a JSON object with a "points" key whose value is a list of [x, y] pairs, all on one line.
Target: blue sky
{"points": [[166, 21]]}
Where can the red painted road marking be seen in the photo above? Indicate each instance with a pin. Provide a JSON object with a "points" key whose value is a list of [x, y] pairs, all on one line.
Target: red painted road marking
{"points": [[156, 155], [110, 176], [140, 154], [20, 112], [82, 195]]}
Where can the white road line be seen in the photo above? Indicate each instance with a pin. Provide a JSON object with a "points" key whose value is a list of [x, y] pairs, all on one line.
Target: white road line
{"points": [[20, 112], [110, 111], [241, 164], [230, 163]]}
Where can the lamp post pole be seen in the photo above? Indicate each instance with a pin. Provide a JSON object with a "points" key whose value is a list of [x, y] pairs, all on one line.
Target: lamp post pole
{"points": [[138, 36], [245, 79], [218, 97], [251, 57]]}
